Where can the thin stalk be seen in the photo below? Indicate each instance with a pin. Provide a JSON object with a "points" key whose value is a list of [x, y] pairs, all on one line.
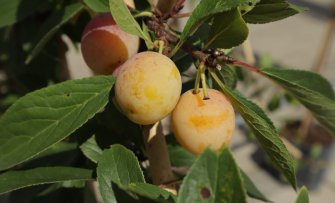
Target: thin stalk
{"points": [[216, 79], [143, 14], [161, 46], [245, 65], [197, 80], [203, 81]]}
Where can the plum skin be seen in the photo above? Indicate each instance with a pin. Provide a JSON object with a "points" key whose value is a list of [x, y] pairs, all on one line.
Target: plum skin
{"points": [[198, 124], [148, 87], [105, 46]]}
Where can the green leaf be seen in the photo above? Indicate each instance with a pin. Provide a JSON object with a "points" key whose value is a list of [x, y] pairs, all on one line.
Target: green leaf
{"points": [[149, 43], [311, 89], [228, 30], [51, 26], [125, 20], [302, 196], [248, 6], [271, 10], [229, 76], [120, 166], [213, 178], [204, 11], [99, 6], [149, 191], [14, 180], [91, 149], [251, 188], [60, 147], [44, 117], [65, 184], [15, 10], [265, 132], [179, 156]]}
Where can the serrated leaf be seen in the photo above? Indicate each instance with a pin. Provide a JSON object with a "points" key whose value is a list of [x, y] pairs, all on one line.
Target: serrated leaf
{"points": [[228, 76], [44, 117], [205, 10], [311, 89], [265, 132], [14, 180], [271, 10], [213, 178], [227, 30], [15, 10], [120, 166], [149, 191], [302, 196], [251, 188], [125, 20], [99, 6], [91, 149], [51, 26]]}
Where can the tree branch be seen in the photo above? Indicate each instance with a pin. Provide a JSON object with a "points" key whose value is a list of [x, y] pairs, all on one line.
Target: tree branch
{"points": [[166, 5], [155, 144]]}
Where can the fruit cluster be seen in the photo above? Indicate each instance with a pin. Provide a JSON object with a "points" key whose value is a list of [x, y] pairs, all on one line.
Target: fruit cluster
{"points": [[148, 88]]}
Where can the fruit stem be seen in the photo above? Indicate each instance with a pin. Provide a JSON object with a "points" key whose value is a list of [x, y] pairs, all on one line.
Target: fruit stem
{"points": [[143, 14], [203, 81], [197, 79], [216, 79], [161, 45], [157, 152]]}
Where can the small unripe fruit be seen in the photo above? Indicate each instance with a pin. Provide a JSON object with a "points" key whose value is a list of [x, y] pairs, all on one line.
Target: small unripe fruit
{"points": [[105, 46], [148, 87], [198, 124]]}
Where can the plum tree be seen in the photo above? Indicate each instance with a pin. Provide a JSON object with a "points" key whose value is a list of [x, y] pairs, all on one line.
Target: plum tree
{"points": [[198, 123], [148, 87], [105, 46]]}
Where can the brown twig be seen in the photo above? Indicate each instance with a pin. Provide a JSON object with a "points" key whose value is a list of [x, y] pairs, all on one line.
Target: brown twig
{"points": [[175, 10], [160, 166], [245, 65], [212, 58], [165, 6], [93, 187]]}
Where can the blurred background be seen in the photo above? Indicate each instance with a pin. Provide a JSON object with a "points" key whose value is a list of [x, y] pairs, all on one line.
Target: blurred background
{"points": [[304, 41]]}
